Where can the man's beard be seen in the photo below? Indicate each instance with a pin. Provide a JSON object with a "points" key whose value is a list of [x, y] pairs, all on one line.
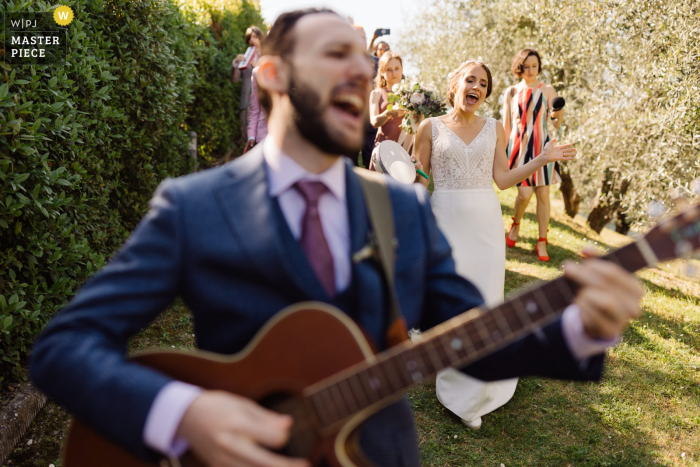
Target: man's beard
{"points": [[308, 118]]}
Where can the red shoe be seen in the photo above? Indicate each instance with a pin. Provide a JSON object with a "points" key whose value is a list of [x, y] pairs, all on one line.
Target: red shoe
{"points": [[509, 242], [541, 258]]}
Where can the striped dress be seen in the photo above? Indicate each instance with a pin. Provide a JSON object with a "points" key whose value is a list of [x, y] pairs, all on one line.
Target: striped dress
{"points": [[529, 134]]}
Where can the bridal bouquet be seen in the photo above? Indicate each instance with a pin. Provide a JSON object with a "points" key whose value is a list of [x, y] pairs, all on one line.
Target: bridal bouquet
{"points": [[416, 99]]}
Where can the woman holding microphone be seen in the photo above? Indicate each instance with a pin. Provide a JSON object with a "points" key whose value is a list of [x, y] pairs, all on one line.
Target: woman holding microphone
{"points": [[526, 108]]}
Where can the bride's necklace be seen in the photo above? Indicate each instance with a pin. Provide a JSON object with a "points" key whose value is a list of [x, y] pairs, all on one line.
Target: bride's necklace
{"points": [[465, 126]]}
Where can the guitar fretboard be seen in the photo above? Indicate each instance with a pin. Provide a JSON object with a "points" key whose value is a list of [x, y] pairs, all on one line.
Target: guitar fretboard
{"points": [[455, 343]]}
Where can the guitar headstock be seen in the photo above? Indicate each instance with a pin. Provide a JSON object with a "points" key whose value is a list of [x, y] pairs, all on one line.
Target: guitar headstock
{"points": [[675, 237]]}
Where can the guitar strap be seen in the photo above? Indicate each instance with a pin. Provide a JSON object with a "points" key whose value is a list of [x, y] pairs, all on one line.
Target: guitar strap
{"points": [[382, 221]]}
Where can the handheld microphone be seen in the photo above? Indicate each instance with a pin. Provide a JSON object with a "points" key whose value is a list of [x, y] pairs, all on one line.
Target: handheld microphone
{"points": [[558, 103]]}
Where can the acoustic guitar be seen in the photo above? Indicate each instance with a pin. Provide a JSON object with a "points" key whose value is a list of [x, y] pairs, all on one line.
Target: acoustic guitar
{"points": [[311, 361]]}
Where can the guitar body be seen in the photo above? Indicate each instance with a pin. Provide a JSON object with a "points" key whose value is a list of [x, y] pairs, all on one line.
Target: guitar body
{"points": [[300, 346]]}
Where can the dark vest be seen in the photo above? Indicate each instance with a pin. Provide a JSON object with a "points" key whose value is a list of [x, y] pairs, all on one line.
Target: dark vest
{"points": [[346, 300]]}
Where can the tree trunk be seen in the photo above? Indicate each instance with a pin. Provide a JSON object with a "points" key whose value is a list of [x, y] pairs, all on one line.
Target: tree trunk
{"points": [[572, 200], [602, 213], [609, 201], [599, 217], [621, 224]]}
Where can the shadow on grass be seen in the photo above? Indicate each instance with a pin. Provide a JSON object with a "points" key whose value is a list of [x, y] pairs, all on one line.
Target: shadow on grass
{"points": [[556, 252], [676, 328], [669, 292], [517, 283]]}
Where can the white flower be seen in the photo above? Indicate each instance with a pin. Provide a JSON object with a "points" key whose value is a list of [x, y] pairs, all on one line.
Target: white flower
{"points": [[417, 98], [395, 87]]}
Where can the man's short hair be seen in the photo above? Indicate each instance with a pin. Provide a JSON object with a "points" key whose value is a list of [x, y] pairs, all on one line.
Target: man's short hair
{"points": [[280, 43]]}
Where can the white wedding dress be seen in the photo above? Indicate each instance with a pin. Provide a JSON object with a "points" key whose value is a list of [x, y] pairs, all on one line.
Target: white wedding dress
{"points": [[469, 214]]}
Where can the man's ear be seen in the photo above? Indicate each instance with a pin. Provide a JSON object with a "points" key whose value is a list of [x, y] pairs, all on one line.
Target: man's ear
{"points": [[272, 74]]}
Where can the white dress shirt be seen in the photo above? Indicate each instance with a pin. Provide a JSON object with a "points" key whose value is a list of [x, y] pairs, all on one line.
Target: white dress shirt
{"points": [[283, 173], [172, 401]]}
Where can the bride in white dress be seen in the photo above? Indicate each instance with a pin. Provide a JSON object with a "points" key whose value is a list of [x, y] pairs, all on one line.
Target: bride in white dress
{"points": [[466, 154]]}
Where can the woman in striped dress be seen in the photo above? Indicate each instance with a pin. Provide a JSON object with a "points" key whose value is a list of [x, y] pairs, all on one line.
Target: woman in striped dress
{"points": [[526, 109]]}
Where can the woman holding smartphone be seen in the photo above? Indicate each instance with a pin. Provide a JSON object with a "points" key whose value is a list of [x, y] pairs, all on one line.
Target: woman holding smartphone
{"points": [[253, 37], [381, 47], [526, 109]]}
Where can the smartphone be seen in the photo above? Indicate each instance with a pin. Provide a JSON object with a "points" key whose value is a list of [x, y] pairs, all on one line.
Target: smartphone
{"points": [[383, 32], [248, 58]]}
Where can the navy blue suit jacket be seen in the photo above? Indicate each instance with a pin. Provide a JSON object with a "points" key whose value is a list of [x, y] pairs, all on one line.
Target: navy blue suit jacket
{"points": [[218, 240]]}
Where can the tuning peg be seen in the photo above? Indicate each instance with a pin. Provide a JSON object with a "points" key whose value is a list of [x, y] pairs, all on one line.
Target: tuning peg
{"points": [[692, 271], [656, 209], [684, 249], [689, 215], [680, 199], [695, 187]]}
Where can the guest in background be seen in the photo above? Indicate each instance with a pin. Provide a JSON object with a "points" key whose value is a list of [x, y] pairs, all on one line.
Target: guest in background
{"points": [[253, 37], [386, 121], [380, 48], [525, 110], [370, 131], [257, 118]]}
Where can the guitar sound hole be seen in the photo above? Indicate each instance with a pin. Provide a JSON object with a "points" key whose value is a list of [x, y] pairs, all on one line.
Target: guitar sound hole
{"points": [[303, 438]]}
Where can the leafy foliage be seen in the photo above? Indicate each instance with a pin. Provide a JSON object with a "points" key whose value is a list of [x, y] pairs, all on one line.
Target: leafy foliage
{"points": [[629, 70], [82, 147]]}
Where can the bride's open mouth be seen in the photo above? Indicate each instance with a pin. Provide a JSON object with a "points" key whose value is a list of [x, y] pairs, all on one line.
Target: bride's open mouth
{"points": [[472, 98]]}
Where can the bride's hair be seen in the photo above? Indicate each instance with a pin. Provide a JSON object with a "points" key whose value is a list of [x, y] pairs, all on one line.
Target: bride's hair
{"points": [[380, 81], [454, 77]]}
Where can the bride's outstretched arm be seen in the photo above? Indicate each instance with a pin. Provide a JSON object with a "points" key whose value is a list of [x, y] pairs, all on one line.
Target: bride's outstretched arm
{"points": [[506, 178], [424, 148]]}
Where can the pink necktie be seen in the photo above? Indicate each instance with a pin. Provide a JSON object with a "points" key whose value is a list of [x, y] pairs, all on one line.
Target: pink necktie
{"points": [[312, 239]]}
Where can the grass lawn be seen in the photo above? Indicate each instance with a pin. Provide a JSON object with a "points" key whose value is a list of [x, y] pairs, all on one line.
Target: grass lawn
{"points": [[645, 412]]}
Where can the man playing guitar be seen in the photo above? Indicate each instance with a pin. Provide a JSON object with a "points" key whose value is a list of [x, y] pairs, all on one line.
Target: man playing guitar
{"points": [[277, 226]]}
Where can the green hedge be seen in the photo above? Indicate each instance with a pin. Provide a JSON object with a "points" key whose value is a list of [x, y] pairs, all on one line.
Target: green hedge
{"points": [[82, 147]]}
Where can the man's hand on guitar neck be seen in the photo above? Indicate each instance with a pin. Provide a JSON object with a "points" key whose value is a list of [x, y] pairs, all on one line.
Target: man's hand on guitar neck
{"points": [[609, 296], [225, 430]]}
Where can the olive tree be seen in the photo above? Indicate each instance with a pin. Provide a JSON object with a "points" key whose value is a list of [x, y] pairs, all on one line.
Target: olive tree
{"points": [[629, 70]]}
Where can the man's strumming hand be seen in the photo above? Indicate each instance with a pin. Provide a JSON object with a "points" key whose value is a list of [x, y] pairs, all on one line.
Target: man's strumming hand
{"points": [[226, 430]]}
